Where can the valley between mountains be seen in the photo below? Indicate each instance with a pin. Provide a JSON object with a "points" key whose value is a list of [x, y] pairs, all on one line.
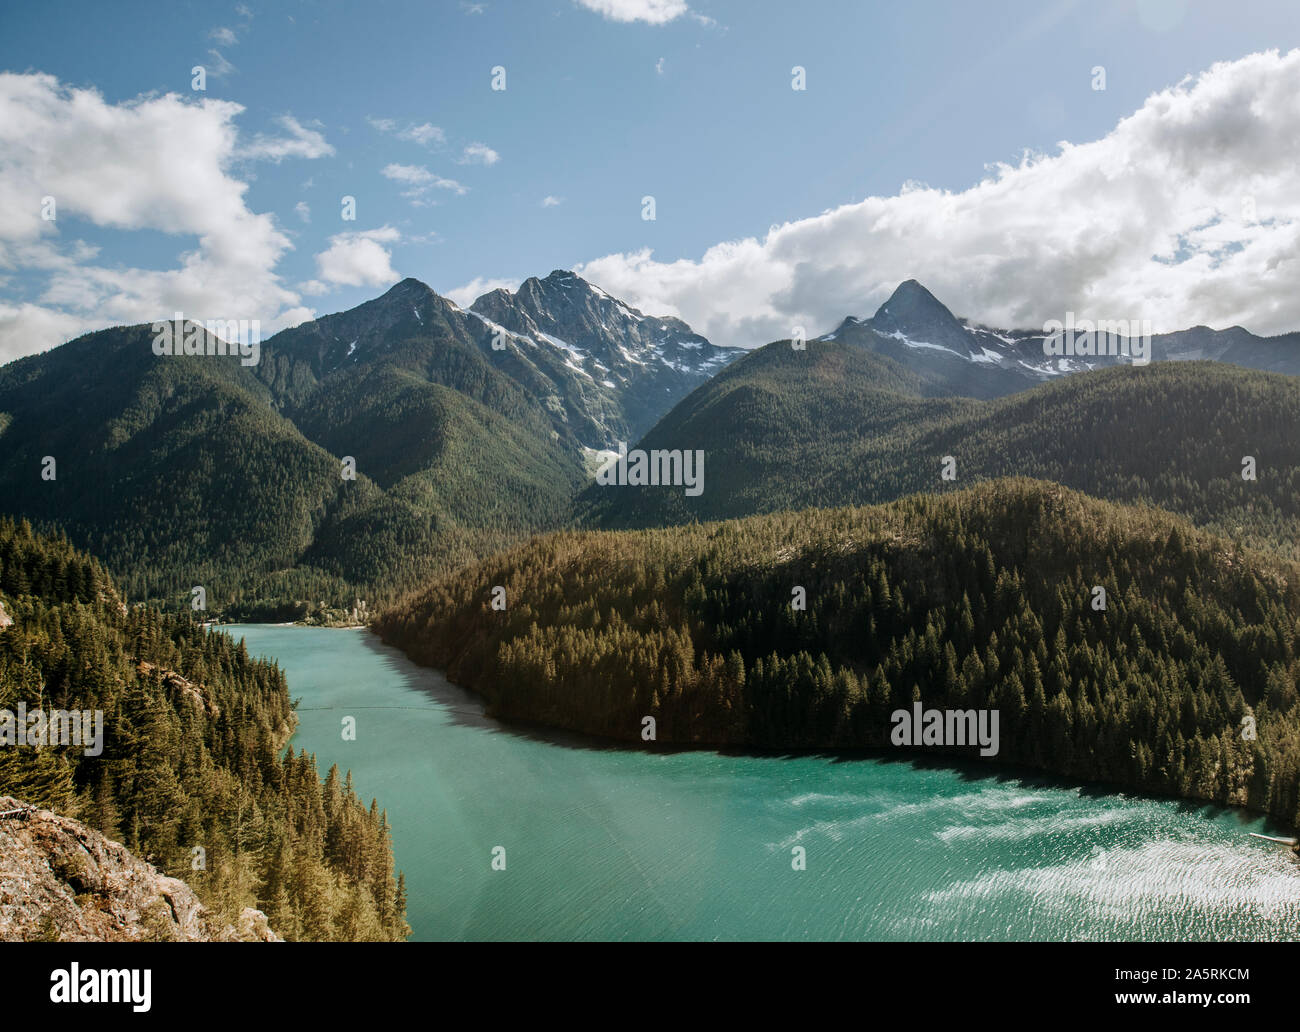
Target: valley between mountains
{"points": [[946, 499], [471, 429]]}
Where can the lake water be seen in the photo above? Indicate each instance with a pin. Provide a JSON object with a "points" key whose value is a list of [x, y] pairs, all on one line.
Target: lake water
{"points": [[614, 843]]}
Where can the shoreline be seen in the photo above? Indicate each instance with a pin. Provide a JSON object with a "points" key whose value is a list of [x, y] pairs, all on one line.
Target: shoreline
{"points": [[570, 737]]}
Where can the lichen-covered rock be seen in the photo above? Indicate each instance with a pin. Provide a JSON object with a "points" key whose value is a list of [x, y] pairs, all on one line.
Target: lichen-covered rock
{"points": [[61, 880]]}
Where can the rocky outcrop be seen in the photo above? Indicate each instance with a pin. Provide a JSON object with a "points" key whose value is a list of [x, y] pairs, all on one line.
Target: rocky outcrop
{"points": [[197, 694], [61, 880]]}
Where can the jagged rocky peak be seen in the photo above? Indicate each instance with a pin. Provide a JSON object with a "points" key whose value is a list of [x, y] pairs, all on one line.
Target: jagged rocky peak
{"points": [[564, 308], [412, 291], [409, 308], [616, 368], [914, 314]]}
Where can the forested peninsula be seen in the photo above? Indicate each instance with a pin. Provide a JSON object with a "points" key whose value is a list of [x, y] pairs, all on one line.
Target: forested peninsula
{"points": [[1184, 684]]}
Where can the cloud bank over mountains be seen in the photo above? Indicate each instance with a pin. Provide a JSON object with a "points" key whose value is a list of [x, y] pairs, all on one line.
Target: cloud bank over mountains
{"points": [[1187, 212], [161, 163]]}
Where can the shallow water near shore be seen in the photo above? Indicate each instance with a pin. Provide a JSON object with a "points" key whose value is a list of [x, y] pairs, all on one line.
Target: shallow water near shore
{"points": [[615, 843]]}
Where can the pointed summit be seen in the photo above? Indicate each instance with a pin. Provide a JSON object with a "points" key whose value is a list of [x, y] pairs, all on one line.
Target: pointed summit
{"points": [[407, 286], [915, 315], [412, 296], [627, 363]]}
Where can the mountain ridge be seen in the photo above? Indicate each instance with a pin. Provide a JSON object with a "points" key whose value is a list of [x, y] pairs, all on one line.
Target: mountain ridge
{"points": [[843, 425], [956, 356]]}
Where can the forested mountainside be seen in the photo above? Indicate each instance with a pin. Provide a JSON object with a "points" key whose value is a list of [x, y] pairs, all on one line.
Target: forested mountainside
{"points": [[189, 470], [193, 752], [465, 435], [838, 424], [470, 430], [982, 598]]}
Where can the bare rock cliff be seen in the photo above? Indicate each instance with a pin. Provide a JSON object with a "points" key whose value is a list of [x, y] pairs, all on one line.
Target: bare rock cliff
{"points": [[61, 880]]}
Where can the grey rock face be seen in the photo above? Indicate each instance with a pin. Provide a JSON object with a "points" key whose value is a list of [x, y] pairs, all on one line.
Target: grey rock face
{"points": [[61, 880]]}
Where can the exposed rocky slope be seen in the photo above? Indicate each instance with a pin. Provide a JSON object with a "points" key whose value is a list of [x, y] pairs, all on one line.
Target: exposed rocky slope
{"points": [[623, 369], [60, 880]]}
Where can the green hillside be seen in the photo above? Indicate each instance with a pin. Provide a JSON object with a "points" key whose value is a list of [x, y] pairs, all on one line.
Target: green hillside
{"points": [[838, 425], [183, 471]]}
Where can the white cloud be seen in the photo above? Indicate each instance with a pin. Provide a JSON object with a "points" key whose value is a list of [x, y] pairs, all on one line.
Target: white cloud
{"points": [[225, 37], [154, 163], [1146, 222], [479, 154], [300, 143], [294, 317], [659, 66], [359, 259], [420, 181], [423, 134], [23, 324], [653, 12], [304, 210], [413, 174], [477, 287], [550, 201], [220, 67]]}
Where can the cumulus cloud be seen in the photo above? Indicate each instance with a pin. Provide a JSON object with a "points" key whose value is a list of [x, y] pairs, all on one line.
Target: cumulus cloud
{"points": [[25, 324], [424, 134], [304, 210], [300, 143], [551, 201], [476, 288], [653, 12], [479, 154], [359, 259], [155, 163], [1187, 212]]}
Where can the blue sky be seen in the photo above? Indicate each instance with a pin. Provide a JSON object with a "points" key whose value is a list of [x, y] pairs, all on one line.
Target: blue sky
{"points": [[598, 112]]}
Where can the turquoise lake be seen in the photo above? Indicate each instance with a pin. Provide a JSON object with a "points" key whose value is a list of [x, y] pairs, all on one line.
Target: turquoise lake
{"points": [[614, 843]]}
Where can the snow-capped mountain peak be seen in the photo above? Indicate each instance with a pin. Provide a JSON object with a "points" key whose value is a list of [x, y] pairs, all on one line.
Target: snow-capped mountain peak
{"points": [[630, 362]]}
